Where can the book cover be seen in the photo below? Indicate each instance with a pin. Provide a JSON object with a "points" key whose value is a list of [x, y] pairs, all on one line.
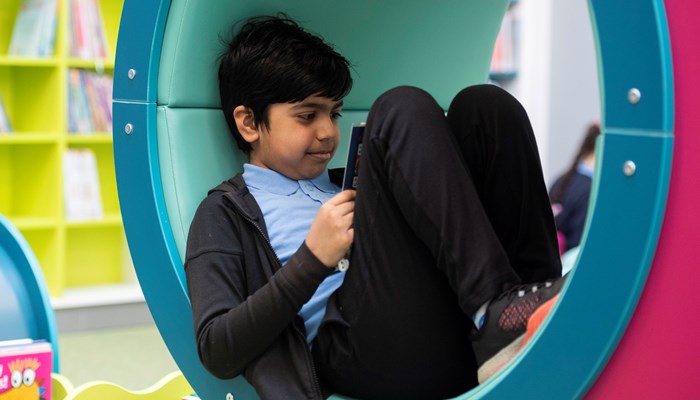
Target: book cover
{"points": [[25, 369], [81, 186], [34, 31], [352, 166]]}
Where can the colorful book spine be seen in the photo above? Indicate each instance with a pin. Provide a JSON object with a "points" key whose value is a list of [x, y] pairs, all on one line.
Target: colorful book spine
{"points": [[89, 102], [88, 39], [5, 124], [25, 369]]}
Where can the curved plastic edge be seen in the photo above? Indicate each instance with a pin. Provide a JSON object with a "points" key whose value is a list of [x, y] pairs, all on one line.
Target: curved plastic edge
{"points": [[146, 223], [138, 50], [30, 271]]}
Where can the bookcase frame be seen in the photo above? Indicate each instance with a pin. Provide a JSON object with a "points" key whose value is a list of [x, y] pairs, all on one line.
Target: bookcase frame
{"points": [[34, 91]]}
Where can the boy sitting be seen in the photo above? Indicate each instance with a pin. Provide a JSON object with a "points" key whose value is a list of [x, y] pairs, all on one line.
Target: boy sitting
{"points": [[450, 218]]}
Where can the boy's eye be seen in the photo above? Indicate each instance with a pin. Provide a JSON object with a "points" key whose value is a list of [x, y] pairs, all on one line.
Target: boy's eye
{"points": [[336, 115], [307, 117]]}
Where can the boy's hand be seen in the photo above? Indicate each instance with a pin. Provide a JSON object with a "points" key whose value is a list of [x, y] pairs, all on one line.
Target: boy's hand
{"points": [[331, 233]]}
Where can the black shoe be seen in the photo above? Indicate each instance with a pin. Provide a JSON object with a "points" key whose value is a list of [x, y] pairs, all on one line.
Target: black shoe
{"points": [[501, 336]]}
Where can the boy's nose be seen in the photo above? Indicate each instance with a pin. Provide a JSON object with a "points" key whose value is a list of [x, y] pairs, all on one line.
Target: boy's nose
{"points": [[327, 129]]}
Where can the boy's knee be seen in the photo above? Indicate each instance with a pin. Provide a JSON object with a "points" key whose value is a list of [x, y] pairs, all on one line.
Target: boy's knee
{"points": [[485, 96], [406, 98]]}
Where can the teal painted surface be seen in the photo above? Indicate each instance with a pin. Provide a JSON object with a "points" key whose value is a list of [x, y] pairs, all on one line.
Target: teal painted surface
{"points": [[441, 46], [138, 48], [634, 52], [25, 307]]}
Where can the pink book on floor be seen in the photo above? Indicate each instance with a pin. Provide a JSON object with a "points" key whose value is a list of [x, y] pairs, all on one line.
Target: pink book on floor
{"points": [[25, 369]]}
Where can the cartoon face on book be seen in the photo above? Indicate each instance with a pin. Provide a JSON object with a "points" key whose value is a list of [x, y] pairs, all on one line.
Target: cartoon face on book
{"points": [[25, 377]]}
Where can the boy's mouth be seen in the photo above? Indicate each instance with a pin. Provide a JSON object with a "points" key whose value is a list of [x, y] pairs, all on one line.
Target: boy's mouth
{"points": [[321, 155]]}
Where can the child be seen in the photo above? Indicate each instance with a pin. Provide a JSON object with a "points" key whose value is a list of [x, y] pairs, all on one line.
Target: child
{"points": [[571, 191], [451, 215]]}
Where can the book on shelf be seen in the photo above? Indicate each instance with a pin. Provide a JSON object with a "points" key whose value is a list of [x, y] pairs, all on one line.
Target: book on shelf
{"points": [[89, 102], [5, 125], [352, 165], [81, 186], [34, 31], [25, 369], [87, 33]]}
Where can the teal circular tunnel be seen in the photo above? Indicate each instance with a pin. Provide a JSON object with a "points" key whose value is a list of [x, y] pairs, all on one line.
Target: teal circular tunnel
{"points": [[171, 154]]}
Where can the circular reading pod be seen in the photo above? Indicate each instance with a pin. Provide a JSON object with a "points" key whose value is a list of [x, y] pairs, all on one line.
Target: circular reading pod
{"points": [[171, 146]]}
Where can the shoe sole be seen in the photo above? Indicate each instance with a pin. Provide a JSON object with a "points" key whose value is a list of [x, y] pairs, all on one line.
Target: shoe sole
{"points": [[500, 359], [503, 357]]}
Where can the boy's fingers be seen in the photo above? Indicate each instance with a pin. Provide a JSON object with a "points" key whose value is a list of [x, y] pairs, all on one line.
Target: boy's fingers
{"points": [[345, 208], [342, 197]]}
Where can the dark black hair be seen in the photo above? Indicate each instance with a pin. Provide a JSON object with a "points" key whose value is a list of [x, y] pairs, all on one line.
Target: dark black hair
{"points": [[272, 59], [587, 147]]}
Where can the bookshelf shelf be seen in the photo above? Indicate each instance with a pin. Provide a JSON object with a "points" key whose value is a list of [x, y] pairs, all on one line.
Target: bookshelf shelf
{"points": [[35, 223], [89, 138], [28, 138], [29, 61], [101, 64], [110, 220], [34, 90]]}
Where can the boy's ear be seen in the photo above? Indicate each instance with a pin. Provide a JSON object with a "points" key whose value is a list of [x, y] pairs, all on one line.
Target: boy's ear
{"points": [[245, 122]]}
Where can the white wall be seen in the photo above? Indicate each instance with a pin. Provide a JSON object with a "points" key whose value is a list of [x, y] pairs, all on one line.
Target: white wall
{"points": [[557, 80]]}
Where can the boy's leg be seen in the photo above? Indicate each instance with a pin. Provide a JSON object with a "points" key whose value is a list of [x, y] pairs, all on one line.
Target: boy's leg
{"points": [[496, 139], [493, 127], [425, 257]]}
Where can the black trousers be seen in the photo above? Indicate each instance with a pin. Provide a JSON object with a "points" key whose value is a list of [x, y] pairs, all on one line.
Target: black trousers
{"points": [[450, 211]]}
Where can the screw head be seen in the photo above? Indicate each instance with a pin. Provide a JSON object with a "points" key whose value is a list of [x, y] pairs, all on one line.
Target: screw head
{"points": [[629, 168], [128, 128], [131, 74], [229, 396], [634, 96]]}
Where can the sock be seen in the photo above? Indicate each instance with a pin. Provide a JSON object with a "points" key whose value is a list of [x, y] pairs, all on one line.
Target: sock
{"points": [[480, 314]]}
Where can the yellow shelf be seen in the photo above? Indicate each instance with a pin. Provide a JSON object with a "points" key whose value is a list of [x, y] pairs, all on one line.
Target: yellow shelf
{"points": [[106, 64], [89, 138], [109, 220], [72, 254], [34, 223], [12, 61], [28, 138]]}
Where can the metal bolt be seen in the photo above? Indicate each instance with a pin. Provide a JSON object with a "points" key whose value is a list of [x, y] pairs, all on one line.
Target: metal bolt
{"points": [[629, 168], [128, 128], [634, 96], [131, 74], [229, 396]]}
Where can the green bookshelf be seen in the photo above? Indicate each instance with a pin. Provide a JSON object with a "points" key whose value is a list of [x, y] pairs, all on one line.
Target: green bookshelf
{"points": [[34, 90]]}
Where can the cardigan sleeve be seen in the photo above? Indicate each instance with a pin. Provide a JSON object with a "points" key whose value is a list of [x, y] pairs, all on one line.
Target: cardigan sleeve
{"points": [[234, 322]]}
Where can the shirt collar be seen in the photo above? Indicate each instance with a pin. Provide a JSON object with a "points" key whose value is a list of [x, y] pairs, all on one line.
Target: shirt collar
{"points": [[274, 182]]}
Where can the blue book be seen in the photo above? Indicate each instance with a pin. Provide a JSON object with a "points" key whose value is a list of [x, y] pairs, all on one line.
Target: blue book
{"points": [[352, 166]]}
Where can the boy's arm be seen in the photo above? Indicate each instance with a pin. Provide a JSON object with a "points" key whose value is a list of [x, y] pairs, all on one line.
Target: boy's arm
{"points": [[234, 326], [232, 329]]}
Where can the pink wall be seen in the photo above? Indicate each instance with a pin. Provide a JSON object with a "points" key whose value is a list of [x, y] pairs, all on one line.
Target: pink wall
{"points": [[659, 356]]}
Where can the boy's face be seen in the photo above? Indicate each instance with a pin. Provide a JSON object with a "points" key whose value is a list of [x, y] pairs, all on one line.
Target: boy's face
{"points": [[301, 139]]}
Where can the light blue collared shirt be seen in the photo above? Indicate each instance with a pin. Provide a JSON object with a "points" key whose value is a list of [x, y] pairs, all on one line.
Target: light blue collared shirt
{"points": [[289, 207]]}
